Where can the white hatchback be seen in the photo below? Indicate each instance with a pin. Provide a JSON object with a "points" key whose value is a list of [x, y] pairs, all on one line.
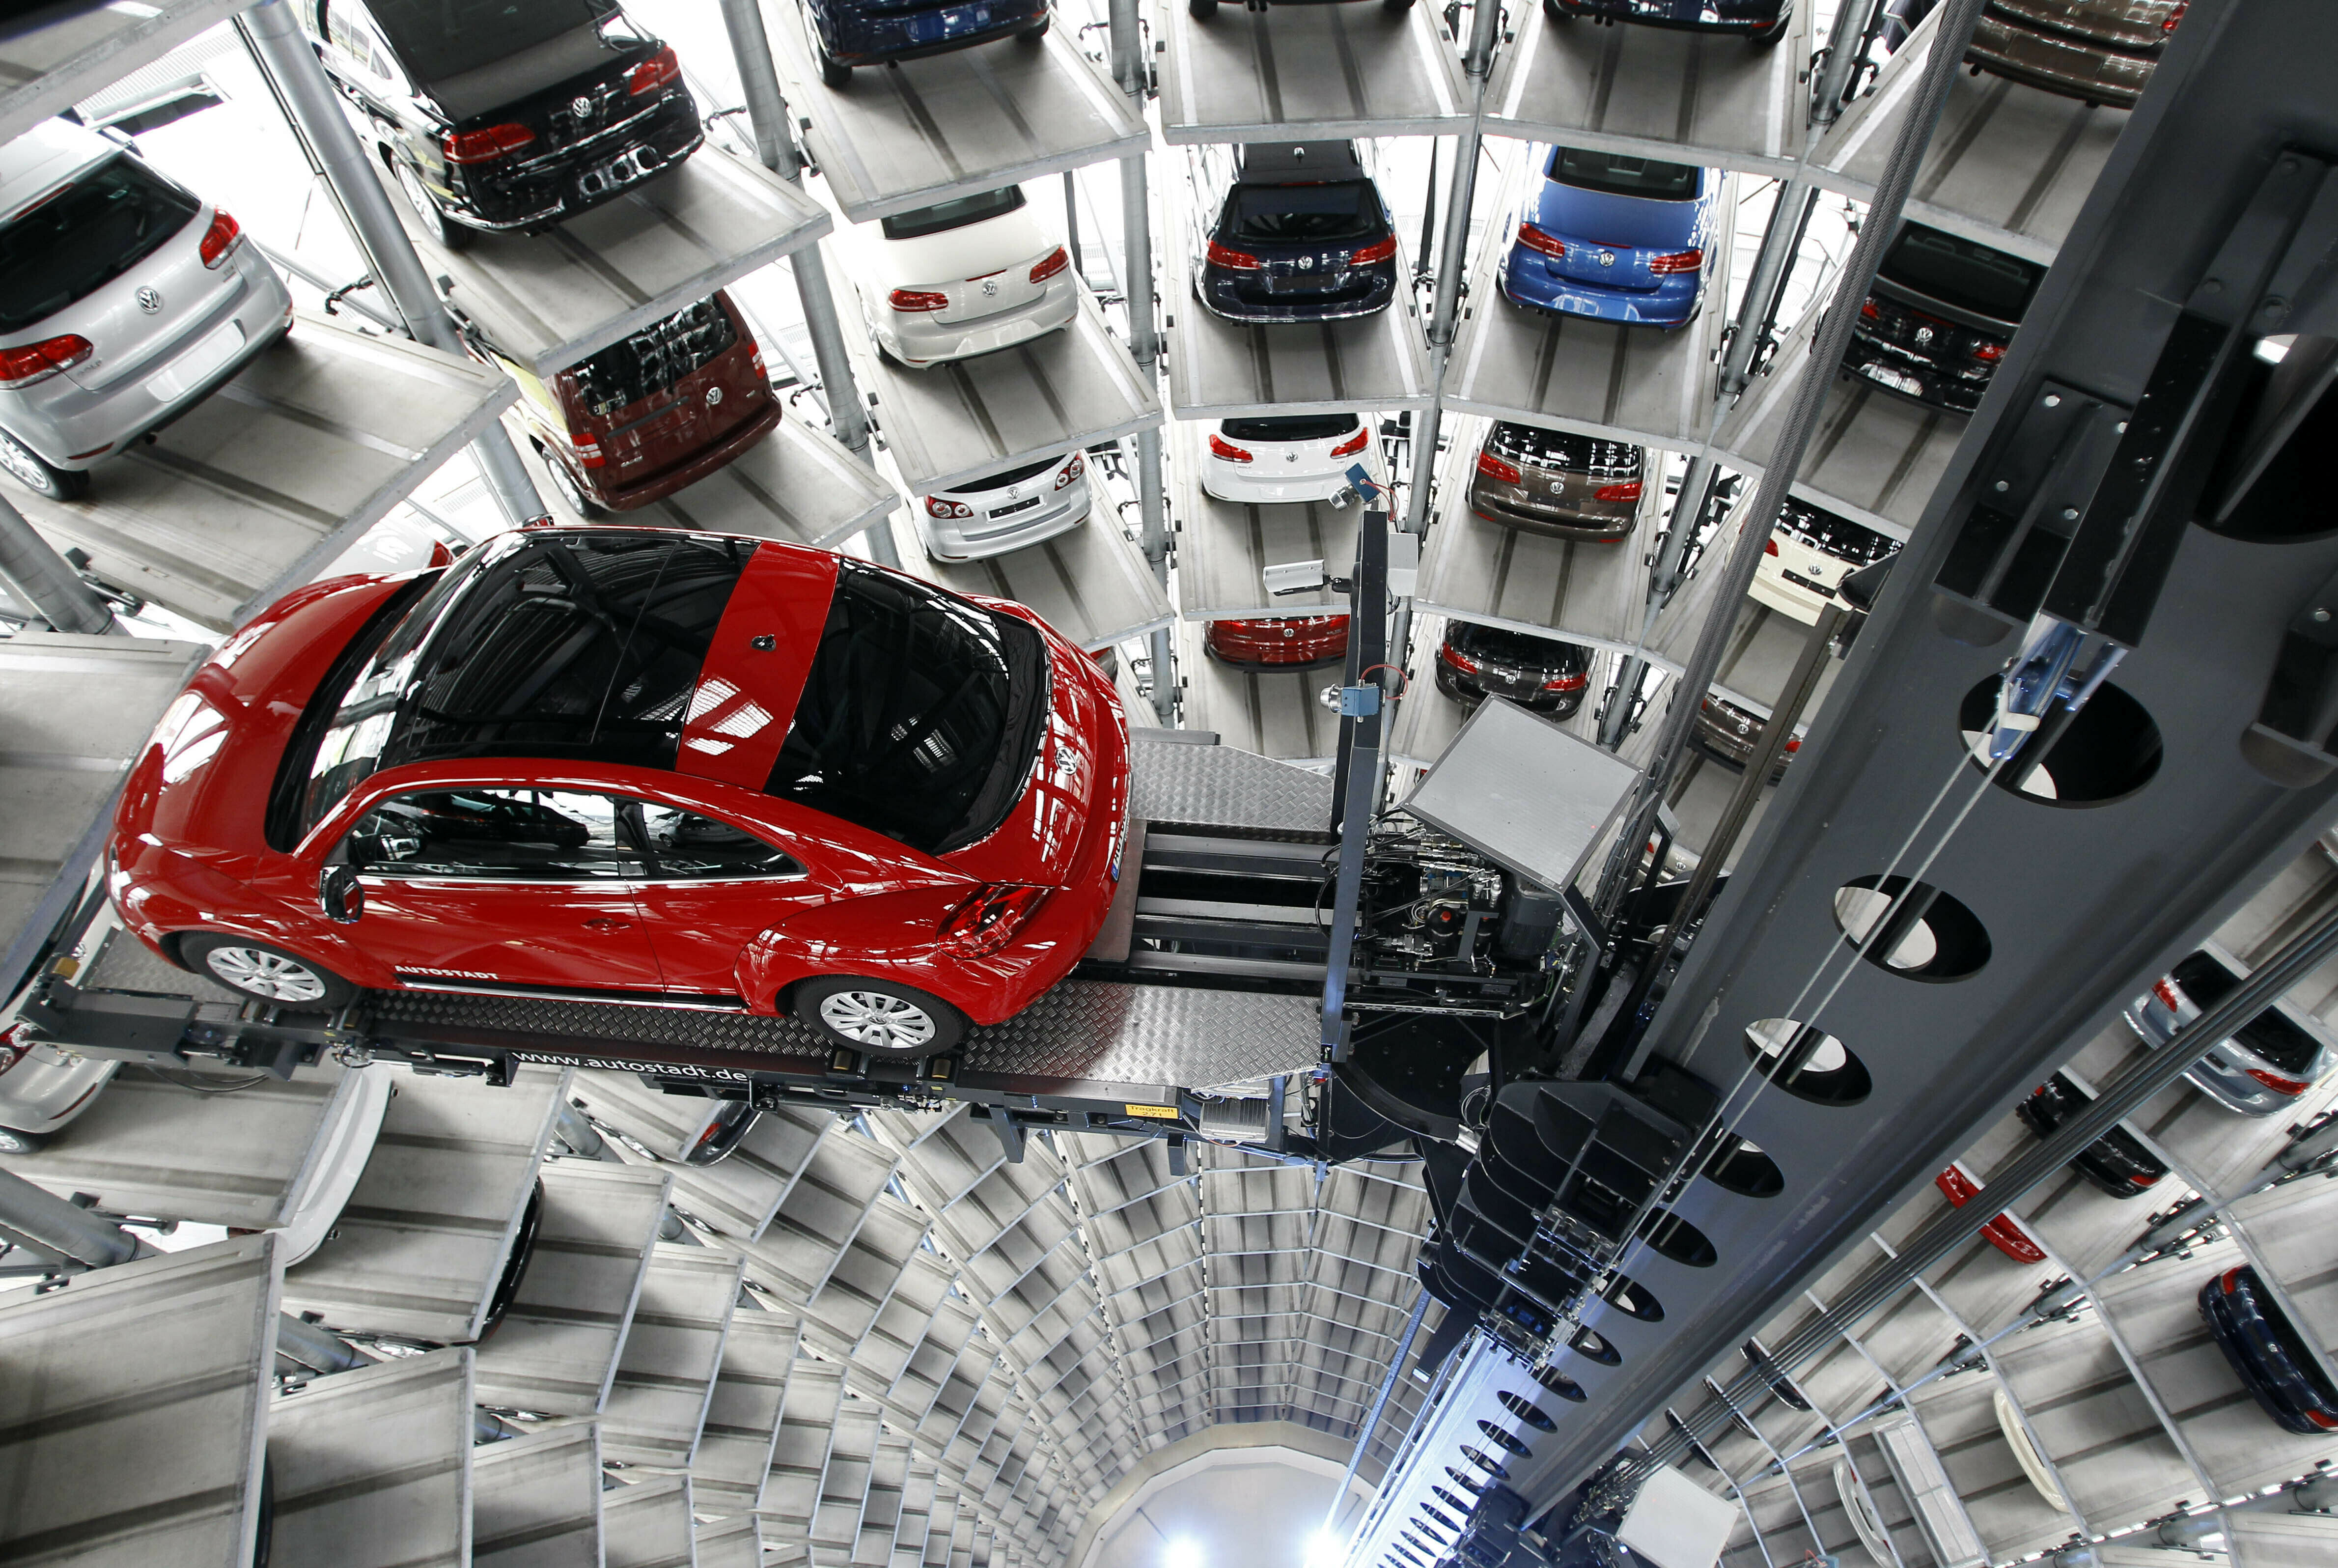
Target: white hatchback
{"points": [[1006, 510], [1288, 458], [964, 277]]}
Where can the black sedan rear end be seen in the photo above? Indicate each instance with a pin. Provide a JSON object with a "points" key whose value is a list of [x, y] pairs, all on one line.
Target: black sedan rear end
{"points": [[1941, 315], [2268, 1353], [2116, 1163], [1304, 236], [1543, 674]]}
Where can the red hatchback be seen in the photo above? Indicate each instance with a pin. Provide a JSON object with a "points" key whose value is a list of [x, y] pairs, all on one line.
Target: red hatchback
{"points": [[638, 765], [1287, 642]]}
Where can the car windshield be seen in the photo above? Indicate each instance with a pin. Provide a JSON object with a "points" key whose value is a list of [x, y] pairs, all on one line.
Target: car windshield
{"points": [[580, 645], [1005, 476], [920, 221], [436, 39], [1290, 428], [644, 363], [1617, 174], [1838, 537], [1305, 215], [1516, 647], [1565, 449], [920, 716], [87, 234], [1960, 273]]}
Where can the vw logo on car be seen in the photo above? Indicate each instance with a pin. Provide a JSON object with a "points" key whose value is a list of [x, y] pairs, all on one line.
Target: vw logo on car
{"points": [[148, 300], [1606, 257], [581, 106]]}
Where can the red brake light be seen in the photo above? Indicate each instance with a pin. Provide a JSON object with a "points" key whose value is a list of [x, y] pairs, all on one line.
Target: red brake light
{"points": [[1793, 744], [938, 508], [1677, 261], [30, 362], [1374, 254], [2173, 16], [1868, 311], [1072, 470], [653, 72], [1567, 684], [1534, 239], [917, 300], [1222, 448], [588, 450], [1992, 352], [1956, 1186], [2277, 1082], [1053, 263], [2232, 1278], [1627, 491], [1770, 548], [1495, 468], [2327, 1423], [990, 918], [2006, 1236], [2142, 1181], [1457, 658], [2164, 990], [1239, 261], [1352, 445], [15, 1044], [220, 239], [486, 146]]}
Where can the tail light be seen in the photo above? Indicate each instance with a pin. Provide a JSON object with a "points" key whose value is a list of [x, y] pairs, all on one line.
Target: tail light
{"points": [[1956, 1186], [1457, 658], [1072, 470], [2141, 1180], [2231, 1281], [1567, 684], [1374, 254], [2327, 1423], [653, 72], [588, 452], [15, 1045], [1793, 744], [1223, 448], [1869, 312], [1770, 546], [1992, 352], [917, 300], [30, 362], [2170, 997], [755, 356], [2005, 1234], [1534, 239], [990, 918], [938, 508], [1677, 261], [220, 239], [2173, 16], [1352, 445], [2277, 1082], [486, 146], [1627, 491], [1495, 468], [1239, 261], [1053, 263]]}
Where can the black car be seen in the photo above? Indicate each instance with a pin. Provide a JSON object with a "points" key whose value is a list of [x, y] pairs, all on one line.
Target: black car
{"points": [[1202, 10], [505, 116], [1540, 673], [1303, 236], [1938, 321], [2117, 1163], [1762, 20], [2267, 1352], [1728, 734]]}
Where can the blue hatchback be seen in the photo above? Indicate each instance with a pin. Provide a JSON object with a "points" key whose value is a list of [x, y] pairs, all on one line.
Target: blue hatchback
{"points": [[842, 34], [1620, 238]]}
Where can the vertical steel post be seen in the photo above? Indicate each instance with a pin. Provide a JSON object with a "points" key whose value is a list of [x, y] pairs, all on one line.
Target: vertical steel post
{"points": [[1356, 785], [1854, 22], [775, 149], [45, 580], [1072, 225], [289, 62], [1144, 336], [1372, 1420], [1789, 220]]}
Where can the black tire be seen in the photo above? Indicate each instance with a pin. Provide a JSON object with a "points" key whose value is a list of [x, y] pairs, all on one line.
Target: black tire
{"points": [[833, 72], [1396, 7], [33, 471], [905, 1023], [1775, 35], [269, 973], [515, 1262], [572, 495], [1038, 30], [15, 1140], [1550, 8], [1201, 10], [449, 234]]}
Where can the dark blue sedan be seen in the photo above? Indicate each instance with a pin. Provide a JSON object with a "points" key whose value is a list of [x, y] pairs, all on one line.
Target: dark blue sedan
{"points": [[1620, 238], [1303, 236], [842, 34], [2268, 1353], [1762, 20]]}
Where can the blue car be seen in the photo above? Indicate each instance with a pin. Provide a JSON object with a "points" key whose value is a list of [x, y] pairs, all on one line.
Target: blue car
{"points": [[2268, 1353], [1762, 20], [1620, 238], [842, 34], [1303, 236]]}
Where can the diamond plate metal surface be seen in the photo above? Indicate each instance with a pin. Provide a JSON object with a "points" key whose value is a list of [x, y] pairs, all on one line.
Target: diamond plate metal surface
{"points": [[416, 1009], [1224, 786], [127, 965], [1103, 1032]]}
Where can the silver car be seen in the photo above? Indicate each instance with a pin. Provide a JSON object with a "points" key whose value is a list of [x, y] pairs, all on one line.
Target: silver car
{"points": [[1006, 510], [124, 301], [2266, 1065], [42, 1088]]}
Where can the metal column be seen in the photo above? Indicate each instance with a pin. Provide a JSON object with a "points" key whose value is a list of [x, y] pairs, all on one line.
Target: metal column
{"points": [[1750, 332], [289, 62], [45, 580], [1856, 24], [1144, 336], [775, 149]]}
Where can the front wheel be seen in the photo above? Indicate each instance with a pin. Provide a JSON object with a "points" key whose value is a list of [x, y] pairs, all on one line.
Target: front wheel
{"points": [[833, 72], [39, 477], [444, 231], [1774, 35], [1038, 30], [881, 1017], [15, 1140], [266, 972]]}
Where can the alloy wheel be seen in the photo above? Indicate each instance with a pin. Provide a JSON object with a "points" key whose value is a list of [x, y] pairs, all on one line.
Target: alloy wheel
{"points": [[877, 1020], [19, 460], [259, 973]]}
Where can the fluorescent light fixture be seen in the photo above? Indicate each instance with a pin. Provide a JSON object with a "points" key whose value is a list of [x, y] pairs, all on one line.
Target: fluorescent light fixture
{"points": [[1326, 1550], [1182, 1552]]}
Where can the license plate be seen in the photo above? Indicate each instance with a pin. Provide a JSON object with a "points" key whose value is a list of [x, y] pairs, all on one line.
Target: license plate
{"points": [[948, 24], [191, 368], [1898, 381]]}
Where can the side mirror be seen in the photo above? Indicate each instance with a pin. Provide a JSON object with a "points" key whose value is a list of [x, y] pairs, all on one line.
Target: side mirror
{"points": [[339, 891]]}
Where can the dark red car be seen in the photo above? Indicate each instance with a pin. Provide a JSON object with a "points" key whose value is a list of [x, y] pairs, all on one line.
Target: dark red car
{"points": [[1284, 642], [637, 766]]}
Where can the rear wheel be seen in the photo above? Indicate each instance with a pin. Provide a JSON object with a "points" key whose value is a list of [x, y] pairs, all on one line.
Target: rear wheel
{"points": [[265, 972], [1038, 30], [16, 1141], [572, 494], [1770, 38], [881, 1017], [833, 72], [449, 234], [1201, 10], [37, 476]]}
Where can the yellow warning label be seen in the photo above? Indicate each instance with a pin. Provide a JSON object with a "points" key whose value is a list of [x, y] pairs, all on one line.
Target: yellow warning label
{"points": [[1161, 1112]]}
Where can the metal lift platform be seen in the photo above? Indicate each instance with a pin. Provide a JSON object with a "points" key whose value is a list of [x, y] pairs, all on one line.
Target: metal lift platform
{"points": [[1276, 713], [73, 52], [1311, 72], [1091, 583], [1224, 548]]}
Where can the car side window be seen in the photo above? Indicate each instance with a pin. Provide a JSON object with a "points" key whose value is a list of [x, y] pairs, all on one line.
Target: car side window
{"points": [[686, 846], [503, 833]]}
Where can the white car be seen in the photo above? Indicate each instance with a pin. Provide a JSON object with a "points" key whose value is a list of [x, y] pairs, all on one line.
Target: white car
{"points": [[347, 1144], [1288, 458], [964, 277], [1006, 510], [1809, 552], [42, 1088]]}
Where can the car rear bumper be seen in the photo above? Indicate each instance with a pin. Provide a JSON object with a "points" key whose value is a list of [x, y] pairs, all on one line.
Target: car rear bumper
{"points": [[870, 40], [1224, 294], [1599, 522], [916, 340], [689, 471], [1463, 689], [1671, 303], [2072, 67], [1063, 512], [1907, 376], [1230, 482], [1687, 17]]}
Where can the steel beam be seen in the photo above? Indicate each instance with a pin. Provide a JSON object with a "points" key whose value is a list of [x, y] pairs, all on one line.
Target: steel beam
{"points": [[45, 580]]}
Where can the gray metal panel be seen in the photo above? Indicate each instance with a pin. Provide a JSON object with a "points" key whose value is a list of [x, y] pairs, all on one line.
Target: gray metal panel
{"points": [[648, 1525], [737, 1195], [1310, 72], [550, 299], [791, 1493], [1275, 714], [667, 1125], [1520, 788], [734, 1462], [74, 710], [373, 1467], [259, 487], [1760, 653], [913, 132], [796, 485], [130, 1412], [1223, 546], [535, 1500], [2278, 1540], [1159, 1038], [1683, 95], [1092, 584], [556, 1349], [727, 1543], [2009, 167], [673, 1350], [1222, 785], [423, 1238], [74, 52], [968, 417]]}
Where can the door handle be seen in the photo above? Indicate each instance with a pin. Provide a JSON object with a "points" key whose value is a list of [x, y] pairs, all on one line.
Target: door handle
{"points": [[604, 923]]}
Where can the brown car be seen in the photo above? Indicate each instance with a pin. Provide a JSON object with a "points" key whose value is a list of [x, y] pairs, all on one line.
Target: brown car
{"points": [[2099, 50], [1557, 482], [656, 410], [1728, 734]]}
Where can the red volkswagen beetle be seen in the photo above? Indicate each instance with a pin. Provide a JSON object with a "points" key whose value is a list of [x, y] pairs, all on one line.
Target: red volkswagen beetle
{"points": [[640, 765]]}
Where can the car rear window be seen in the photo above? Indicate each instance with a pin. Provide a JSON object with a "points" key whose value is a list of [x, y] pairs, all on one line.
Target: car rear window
{"points": [[2281, 1042], [436, 39], [920, 221], [1618, 175], [1305, 215], [1566, 450], [645, 363], [1290, 428], [920, 716], [1838, 537], [87, 234], [1960, 273], [1516, 647], [1005, 476]]}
